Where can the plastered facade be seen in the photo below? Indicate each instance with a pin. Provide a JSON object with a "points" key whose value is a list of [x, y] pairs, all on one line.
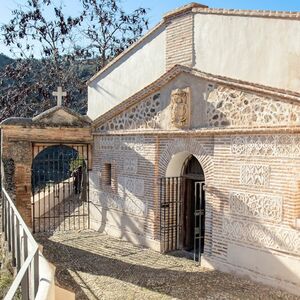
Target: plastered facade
{"points": [[251, 208], [123, 78]]}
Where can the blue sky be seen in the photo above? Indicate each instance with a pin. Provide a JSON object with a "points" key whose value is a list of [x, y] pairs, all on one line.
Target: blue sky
{"points": [[159, 7]]}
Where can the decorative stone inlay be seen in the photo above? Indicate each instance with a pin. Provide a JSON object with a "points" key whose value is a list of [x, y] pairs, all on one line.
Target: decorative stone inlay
{"points": [[94, 179], [129, 185], [117, 143], [141, 116], [266, 207], [127, 204], [260, 145], [266, 236], [256, 175], [180, 107], [130, 165], [230, 107]]}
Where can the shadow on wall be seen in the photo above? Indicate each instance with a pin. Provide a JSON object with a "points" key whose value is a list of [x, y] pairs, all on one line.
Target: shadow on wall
{"points": [[128, 208], [127, 200], [272, 266], [256, 247]]}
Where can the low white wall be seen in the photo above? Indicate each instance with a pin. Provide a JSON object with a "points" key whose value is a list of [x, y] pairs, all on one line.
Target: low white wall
{"points": [[45, 201], [280, 267], [46, 289], [278, 270]]}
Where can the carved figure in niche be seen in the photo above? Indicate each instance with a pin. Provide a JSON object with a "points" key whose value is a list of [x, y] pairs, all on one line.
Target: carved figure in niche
{"points": [[180, 107]]}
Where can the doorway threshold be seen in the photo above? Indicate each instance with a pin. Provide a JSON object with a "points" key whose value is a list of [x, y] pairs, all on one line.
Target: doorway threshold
{"points": [[183, 254]]}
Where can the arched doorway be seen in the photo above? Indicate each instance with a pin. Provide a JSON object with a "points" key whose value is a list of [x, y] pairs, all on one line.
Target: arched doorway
{"points": [[193, 225], [182, 199], [59, 188]]}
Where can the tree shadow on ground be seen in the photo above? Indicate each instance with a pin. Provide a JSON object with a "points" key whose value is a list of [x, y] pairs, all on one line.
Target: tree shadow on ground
{"points": [[93, 266]]}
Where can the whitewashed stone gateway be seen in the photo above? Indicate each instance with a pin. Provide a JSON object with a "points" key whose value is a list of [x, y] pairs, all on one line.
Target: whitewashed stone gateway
{"points": [[238, 137]]}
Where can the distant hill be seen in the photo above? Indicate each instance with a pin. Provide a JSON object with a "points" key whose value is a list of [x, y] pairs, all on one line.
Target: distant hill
{"points": [[5, 60]]}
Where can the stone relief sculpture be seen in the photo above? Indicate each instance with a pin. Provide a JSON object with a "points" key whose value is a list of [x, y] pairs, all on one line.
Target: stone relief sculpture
{"points": [[130, 205], [263, 145], [262, 235], [129, 185], [255, 175], [265, 207], [180, 107], [130, 165]]}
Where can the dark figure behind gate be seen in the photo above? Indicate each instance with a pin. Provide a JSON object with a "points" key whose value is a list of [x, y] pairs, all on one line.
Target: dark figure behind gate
{"points": [[77, 177]]}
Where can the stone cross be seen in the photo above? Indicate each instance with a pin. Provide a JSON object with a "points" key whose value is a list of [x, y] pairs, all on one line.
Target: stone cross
{"points": [[59, 94]]}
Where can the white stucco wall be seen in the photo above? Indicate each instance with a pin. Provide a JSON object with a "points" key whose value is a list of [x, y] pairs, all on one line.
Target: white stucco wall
{"points": [[259, 50], [135, 70]]}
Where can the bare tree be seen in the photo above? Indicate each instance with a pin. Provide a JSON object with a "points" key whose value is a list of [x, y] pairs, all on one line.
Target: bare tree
{"points": [[109, 29], [54, 49]]}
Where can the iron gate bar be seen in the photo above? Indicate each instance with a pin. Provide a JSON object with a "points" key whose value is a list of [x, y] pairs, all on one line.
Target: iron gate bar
{"points": [[199, 211], [52, 165], [170, 212]]}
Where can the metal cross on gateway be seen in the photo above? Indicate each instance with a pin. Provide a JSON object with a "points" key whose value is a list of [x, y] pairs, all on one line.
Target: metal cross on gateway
{"points": [[59, 94]]}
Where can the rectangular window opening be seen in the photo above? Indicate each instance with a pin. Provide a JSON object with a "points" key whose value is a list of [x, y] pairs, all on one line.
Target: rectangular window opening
{"points": [[107, 178]]}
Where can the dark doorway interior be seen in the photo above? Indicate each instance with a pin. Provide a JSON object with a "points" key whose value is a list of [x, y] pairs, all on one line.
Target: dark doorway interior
{"points": [[193, 204]]}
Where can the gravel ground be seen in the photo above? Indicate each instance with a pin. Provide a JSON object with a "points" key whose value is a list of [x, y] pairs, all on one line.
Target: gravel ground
{"points": [[96, 266]]}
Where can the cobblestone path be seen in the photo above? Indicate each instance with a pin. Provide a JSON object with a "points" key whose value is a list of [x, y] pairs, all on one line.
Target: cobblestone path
{"points": [[96, 266], [70, 214]]}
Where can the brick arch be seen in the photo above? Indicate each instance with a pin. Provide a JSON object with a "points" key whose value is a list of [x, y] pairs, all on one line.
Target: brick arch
{"points": [[37, 149], [192, 146]]}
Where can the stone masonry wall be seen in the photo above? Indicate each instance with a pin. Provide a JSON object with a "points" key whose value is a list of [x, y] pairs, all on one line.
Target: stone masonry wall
{"points": [[237, 108]]}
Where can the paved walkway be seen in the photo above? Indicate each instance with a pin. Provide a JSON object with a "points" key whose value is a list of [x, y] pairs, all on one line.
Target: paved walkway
{"points": [[96, 266], [70, 214]]}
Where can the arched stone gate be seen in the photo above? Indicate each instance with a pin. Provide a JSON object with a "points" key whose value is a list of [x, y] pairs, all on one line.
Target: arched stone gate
{"points": [[23, 139]]}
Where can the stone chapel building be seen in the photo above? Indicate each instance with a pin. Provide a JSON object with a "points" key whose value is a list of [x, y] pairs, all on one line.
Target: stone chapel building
{"points": [[196, 141], [191, 143]]}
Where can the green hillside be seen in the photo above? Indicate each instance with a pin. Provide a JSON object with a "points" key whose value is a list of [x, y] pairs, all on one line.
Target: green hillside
{"points": [[4, 60]]}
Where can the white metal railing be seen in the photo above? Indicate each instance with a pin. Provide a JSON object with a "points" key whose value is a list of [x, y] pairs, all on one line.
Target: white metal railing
{"points": [[24, 250]]}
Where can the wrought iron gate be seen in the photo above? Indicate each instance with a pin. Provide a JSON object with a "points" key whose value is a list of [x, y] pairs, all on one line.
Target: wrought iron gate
{"points": [[170, 212], [199, 214], [60, 187], [172, 201]]}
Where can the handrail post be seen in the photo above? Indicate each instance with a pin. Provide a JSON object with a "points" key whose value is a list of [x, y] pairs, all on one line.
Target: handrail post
{"points": [[2, 208], [5, 217], [24, 249], [36, 275], [18, 248], [13, 239], [25, 281], [9, 227]]}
